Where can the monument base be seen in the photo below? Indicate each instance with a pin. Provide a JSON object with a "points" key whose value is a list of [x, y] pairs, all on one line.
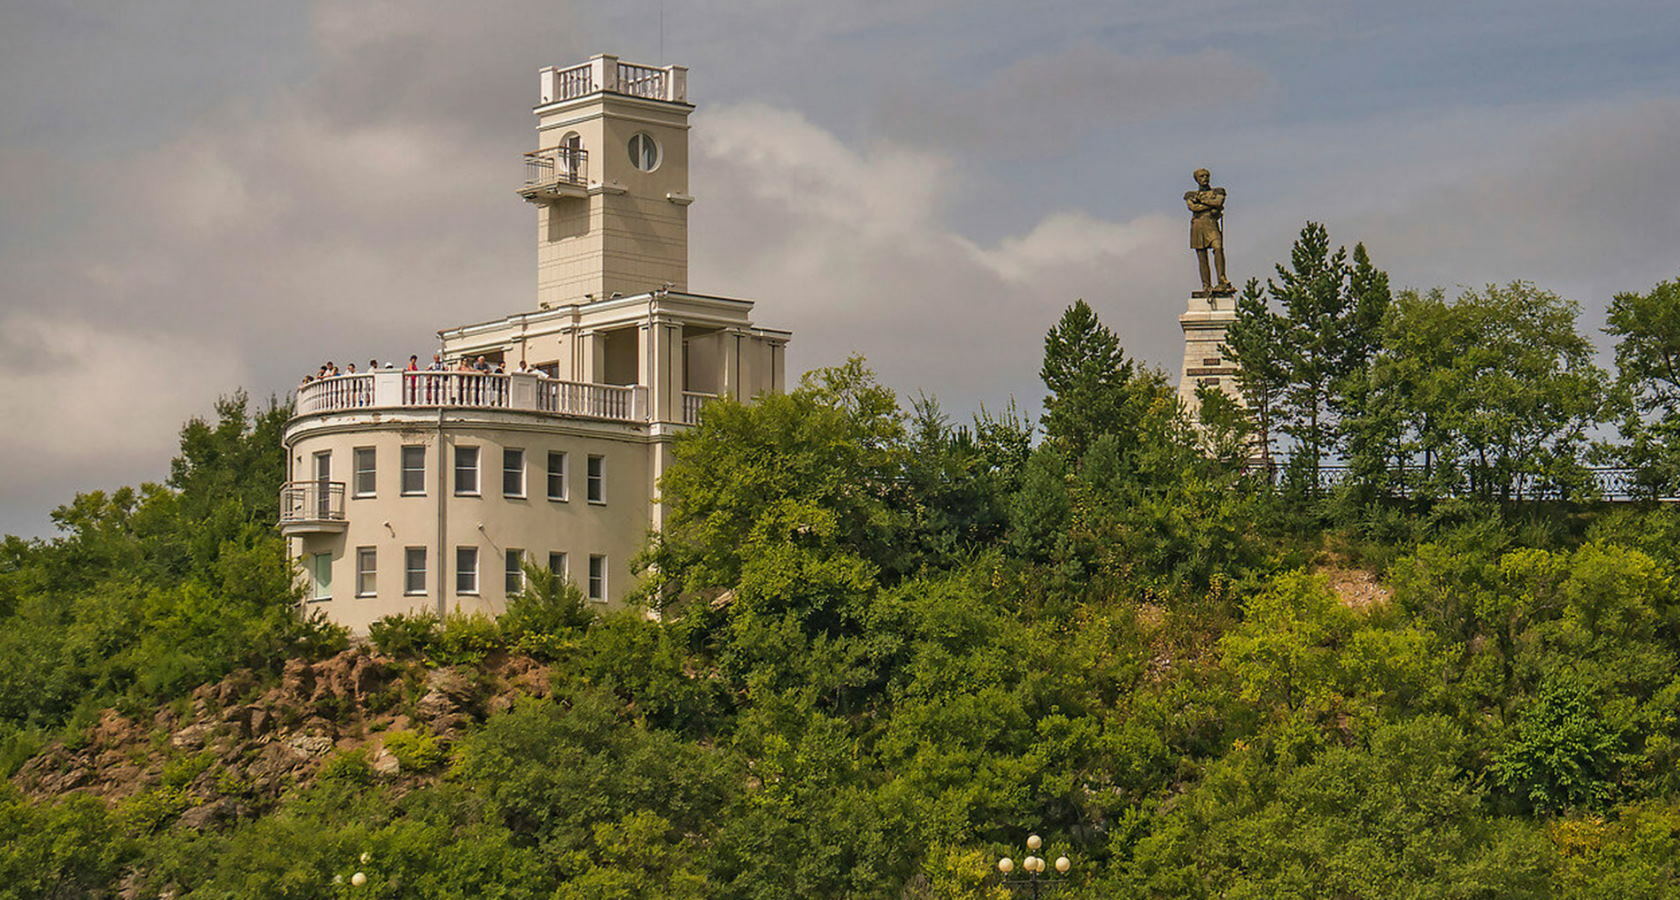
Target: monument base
{"points": [[1207, 314]]}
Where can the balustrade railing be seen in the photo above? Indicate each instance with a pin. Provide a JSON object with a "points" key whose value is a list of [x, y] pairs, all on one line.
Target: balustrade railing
{"points": [[337, 392], [608, 73], [311, 501], [641, 81], [692, 402], [604, 401], [577, 81], [519, 391]]}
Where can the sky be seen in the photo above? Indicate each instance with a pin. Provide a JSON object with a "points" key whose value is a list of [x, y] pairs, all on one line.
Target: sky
{"points": [[198, 197]]}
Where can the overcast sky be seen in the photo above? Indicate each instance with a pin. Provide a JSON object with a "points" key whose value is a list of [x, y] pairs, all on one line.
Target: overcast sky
{"points": [[199, 196]]}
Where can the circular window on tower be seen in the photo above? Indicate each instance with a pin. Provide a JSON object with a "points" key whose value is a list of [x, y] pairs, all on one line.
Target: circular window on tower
{"points": [[644, 151]]}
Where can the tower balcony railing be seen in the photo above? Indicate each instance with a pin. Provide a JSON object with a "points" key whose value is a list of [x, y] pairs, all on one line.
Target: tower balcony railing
{"points": [[555, 173], [312, 507], [387, 389], [608, 73]]}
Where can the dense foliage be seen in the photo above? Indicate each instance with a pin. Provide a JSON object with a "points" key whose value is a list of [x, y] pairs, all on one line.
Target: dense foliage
{"points": [[888, 647]]}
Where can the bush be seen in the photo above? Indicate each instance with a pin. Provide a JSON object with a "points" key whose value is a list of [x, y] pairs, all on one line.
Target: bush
{"points": [[539, 618], [416, 750], [1562, 753], [466, 639], [349, 767], [405, 634]]}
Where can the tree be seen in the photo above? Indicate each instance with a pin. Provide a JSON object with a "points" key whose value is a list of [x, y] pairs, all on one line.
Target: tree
{"points": [[1493, 393], [1304, 355], [1254, 341], [1095, 389], [1648, 375]]}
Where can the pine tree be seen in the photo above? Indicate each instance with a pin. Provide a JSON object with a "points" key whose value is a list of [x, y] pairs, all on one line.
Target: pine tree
{"points": [[1095, 389]]}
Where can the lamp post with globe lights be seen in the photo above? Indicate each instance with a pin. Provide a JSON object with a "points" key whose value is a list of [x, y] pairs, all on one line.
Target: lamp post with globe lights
{"points": [[1033, 866]]}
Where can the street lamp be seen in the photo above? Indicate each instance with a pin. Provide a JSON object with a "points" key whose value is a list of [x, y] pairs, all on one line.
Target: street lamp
{"points": [[1034, 866]]}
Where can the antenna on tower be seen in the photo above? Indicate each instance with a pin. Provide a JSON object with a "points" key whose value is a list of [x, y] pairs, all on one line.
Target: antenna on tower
{"points": [[662, 32]]}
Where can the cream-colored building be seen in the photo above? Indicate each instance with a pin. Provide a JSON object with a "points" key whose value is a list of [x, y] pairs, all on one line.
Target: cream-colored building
{"points": [[429, 490]]}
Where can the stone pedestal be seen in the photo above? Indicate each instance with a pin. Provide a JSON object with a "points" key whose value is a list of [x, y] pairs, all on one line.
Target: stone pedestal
{"points": [[1204, 321]]}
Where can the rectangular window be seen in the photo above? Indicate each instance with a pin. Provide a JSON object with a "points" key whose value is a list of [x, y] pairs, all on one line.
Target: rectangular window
{"points": [[466, 570], [515, 578], [414, 570], [513, 473], [466, 471], [320, 570], [556, 475], [597, 479], [364, 483], [557, 564], [598, 578], [367, 567], [414, 470]]}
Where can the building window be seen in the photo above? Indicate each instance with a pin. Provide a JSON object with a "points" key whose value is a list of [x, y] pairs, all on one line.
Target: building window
{"points": [[414, 570], [513, 473], [364, 471], [466, 570], [466, 471], [598, 578], [557, 564], [320, 570], [515, 577], [414, 470], [556, 475], [644, 151], [597, 479], [367, 568]]}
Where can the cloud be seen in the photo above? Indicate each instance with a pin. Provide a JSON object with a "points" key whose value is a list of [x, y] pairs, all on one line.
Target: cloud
{"points": [[847, 245], [1044, 104], [87, 398], [929, 185]]}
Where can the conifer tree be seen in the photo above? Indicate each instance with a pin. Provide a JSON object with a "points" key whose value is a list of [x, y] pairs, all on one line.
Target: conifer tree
{"points": [[1095, 389], [1307, 355]]}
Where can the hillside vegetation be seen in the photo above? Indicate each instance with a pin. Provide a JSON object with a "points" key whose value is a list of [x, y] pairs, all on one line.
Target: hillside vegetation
{"points": [[888, 647]]}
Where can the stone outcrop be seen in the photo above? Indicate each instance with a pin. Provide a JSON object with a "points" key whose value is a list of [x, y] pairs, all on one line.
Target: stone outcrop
{"points": [[245, 739]]}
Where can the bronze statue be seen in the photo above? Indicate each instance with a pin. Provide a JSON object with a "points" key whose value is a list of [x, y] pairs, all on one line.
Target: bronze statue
{"points": [[1207, 213]]}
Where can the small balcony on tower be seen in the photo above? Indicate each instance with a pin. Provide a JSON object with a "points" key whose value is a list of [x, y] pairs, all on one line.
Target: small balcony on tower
{"points": [[555, 174], [312, 507]]}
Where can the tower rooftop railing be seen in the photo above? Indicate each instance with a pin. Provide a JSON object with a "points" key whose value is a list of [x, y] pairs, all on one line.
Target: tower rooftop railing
{"points": [[607, 73], [392, 389]]}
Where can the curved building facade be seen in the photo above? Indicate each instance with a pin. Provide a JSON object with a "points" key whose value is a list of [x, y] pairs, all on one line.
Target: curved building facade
{"points": [[431, 490]]}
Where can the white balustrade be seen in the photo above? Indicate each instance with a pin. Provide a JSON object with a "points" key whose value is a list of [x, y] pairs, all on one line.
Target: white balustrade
{"points": [[692, 401], [520, 391]]}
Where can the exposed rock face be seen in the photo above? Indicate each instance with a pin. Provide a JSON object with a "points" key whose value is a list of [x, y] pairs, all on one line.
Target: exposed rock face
{"points": [[240, 746], [118, 760]]}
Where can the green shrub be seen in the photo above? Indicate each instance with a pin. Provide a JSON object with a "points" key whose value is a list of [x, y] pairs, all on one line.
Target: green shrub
{"points": [[542, 619], [349, 767], [1562, 755], [404, 634], [466, 639], [416, 750], [180, 771]]}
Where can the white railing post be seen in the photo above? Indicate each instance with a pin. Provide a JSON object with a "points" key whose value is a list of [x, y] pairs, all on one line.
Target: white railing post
{"points": [[522, 391], [603, 70], [548, 84], [676, 83], [387, 388]]}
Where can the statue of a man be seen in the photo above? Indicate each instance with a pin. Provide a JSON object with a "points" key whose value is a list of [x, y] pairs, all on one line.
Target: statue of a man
{"points": [[1207, 213]]}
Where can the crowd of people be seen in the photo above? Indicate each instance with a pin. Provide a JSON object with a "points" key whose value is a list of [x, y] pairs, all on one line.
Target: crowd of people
{"points": [[480, 365]]}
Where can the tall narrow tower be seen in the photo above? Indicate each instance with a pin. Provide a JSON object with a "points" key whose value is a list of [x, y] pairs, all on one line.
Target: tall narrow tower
{"points": [[610, 180]]}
